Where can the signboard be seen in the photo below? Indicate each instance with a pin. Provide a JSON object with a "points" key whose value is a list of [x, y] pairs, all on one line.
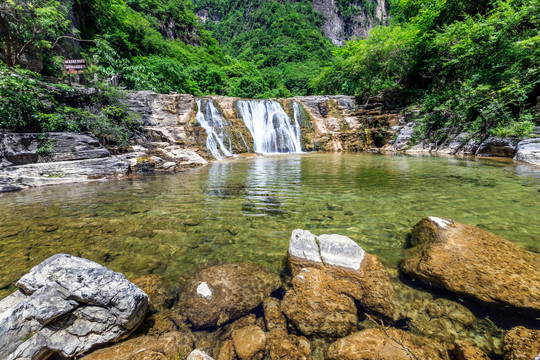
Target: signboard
{"points": [[74, 66]]}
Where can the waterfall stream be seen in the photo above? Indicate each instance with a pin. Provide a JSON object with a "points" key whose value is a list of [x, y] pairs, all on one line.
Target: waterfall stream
{"points": [[218, 140], [270, 126]]}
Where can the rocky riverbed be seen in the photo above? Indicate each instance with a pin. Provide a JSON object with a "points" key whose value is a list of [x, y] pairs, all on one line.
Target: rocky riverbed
{"points": [[332, 300], [172, 140]]}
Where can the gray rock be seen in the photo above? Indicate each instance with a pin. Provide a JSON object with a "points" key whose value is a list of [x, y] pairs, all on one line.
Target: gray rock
{"points": [[529, 151], [456, 144], [304, 245], [496, 146], [68, 305], [24, 148], [63, 172], [404, 137], [341, 251], [334, 250]]}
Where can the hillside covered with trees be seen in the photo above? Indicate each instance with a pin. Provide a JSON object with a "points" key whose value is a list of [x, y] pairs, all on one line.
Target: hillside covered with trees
{"points": [[469, 66]]}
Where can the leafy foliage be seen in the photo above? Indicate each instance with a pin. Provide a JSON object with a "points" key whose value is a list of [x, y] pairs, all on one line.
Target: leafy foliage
{"points": [[474, 66], [28, 103]]}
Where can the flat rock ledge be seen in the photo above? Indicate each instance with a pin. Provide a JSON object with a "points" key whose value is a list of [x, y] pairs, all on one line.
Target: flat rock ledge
{"points": [[474, 262], [68, 305]]}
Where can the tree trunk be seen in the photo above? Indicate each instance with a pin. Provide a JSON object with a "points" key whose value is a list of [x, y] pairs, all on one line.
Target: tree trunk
{"points": [[9, 42]]}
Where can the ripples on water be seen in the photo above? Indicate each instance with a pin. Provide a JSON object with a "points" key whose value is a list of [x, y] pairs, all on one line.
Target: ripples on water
{"points": [[245, 210]]}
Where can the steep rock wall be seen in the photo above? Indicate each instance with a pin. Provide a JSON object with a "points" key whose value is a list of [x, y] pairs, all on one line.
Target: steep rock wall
{"points": [[352, 19]]}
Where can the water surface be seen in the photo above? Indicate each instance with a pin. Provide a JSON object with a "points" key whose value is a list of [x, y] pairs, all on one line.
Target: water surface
{"points": [[245, 210]]}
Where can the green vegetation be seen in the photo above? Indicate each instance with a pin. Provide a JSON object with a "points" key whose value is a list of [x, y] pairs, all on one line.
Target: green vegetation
{"points": [[470, 66], [29, 103], [473, 66], [282, 39]]}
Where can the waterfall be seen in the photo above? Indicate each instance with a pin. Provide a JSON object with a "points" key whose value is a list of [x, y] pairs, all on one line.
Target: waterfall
{"points": [[270, 126], [218, 141]]}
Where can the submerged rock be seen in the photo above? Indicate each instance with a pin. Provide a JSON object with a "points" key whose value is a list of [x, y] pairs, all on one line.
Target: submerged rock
{"points": [[352, 272], [464, 350], [386, 343], [473, 262], [226, 292], [521, 343], [282, 346], [68, 305], [147, 347], [249, 343], [316, 307]]}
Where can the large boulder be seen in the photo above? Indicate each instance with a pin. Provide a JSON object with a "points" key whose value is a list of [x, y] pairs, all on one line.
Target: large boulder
{"points": [[353, 272], [223, 293], [521, 343], [473, 262], [529, 151], [316, 307], [496, 146], [68, 305], [386, 343]]}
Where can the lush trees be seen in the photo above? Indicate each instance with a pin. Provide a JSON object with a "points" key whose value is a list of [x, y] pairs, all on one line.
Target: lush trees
{"points": [[473, 66], [29, 25], [281, 38]]}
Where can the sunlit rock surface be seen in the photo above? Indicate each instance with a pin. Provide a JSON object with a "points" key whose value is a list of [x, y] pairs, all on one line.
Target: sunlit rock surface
{"points": [[473, 262], [223, 293], [68, 305]]}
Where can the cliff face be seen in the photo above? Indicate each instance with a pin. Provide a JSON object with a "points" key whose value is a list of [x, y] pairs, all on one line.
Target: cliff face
{"points": [[346, 20]]}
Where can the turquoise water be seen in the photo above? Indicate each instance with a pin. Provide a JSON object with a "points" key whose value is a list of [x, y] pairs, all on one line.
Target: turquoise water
{"points": [[245, 210]]}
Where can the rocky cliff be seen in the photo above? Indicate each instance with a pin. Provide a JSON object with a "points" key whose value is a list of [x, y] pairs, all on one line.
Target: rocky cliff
{"points": [[345, 20]]}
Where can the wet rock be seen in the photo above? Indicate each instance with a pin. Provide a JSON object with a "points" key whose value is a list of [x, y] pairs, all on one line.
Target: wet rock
{"points": [[156, 287], [249, 343], [390, 343], [440, 318], [464, 350], [68, 305], [147, 347], [473, 262], [199, 355], [529, 151], [314, 306], [273, 315], [227, 351], [496, 146], [282, 346], [521, 343], [354, 272], [226, 292]]}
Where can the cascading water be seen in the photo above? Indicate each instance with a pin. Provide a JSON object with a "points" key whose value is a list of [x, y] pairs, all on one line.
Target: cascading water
{"points": [[270, 127], [218, 141]]}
